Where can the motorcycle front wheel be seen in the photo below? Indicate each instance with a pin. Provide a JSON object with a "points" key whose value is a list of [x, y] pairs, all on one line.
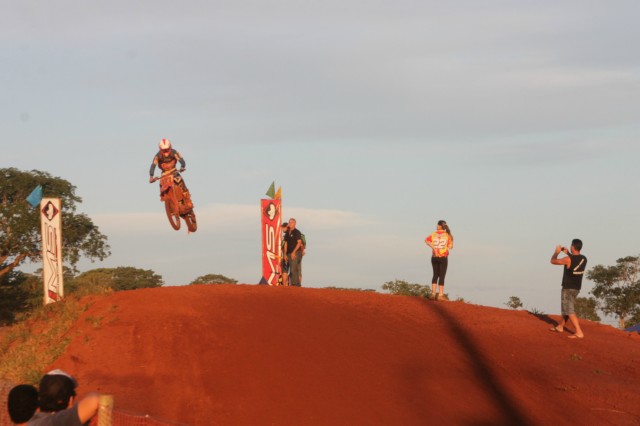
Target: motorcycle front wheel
{"points": [[171, 207]]}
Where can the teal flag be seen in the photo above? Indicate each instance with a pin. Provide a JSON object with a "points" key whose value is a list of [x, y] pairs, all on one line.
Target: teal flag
{"points": [[35, 197], [271, 192]]}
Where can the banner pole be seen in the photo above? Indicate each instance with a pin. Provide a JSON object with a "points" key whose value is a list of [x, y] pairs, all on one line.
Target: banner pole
{"points": [[51, 230]]}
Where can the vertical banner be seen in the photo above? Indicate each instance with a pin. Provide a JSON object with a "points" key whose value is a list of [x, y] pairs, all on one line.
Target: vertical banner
{"points": [[271, 241], [51, 222]]}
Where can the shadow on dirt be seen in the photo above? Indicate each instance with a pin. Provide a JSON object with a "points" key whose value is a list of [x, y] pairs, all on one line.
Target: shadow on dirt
{"points": [[512, 414], [545, 318]]}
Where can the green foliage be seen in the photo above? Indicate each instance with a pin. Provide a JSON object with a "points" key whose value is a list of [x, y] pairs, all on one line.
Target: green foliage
{"points": [[130, 278], [350, 289], [514, 303], [586, 307], [104, 280], [403, 288], [213, 279], [20, 224], [20, 293], [617, 288], [28, 347], [95, 281], [635, 319]]}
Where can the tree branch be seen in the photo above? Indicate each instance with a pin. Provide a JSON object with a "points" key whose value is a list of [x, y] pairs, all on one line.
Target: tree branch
{"points": [[18, 260]]}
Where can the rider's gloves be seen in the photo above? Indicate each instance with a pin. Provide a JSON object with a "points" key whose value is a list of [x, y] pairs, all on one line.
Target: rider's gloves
{"points": [[150, 179], [182, 169]]}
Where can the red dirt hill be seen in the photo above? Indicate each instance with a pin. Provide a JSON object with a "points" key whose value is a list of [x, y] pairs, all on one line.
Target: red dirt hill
{"points": [[257, 355]]}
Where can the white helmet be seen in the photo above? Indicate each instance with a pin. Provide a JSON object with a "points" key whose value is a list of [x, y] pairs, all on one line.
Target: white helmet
{"points": [[165, 144]]}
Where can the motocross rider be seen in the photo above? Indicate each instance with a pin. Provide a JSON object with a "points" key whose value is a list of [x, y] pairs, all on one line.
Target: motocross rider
{"points": [[167, 159]]}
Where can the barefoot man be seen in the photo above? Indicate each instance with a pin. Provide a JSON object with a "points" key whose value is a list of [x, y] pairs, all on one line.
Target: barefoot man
{"points": [[574, 266]]}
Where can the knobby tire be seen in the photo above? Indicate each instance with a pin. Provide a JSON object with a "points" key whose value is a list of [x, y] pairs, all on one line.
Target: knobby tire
{"points": [[190, 219], [171, 207]]}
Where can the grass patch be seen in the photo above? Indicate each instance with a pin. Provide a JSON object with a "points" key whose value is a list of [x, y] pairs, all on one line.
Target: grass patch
{"points": [[38, 340], [94, 321], [569, 388]]}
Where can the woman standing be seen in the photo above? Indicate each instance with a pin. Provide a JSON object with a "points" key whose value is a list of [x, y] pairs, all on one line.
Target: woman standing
{"points": [[440, 242]]}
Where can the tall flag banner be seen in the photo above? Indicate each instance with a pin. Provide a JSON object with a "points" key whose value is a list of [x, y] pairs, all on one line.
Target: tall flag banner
{"points": [[278, 193], [51, 224], [271, 213], [271, 192], [35, 197]]}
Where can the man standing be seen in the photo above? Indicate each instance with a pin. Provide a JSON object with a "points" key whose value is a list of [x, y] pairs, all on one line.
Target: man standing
{"points": [[293, 253], [574, 266]]}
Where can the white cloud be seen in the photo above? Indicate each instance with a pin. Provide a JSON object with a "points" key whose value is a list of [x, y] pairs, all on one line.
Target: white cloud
{"points": [[214, 218], [326, 219]]}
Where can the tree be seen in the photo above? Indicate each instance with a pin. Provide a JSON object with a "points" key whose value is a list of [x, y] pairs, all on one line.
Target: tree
{"points": [[213, 279], [19, 293], [404, 288], [635, 319], [130, 278], [514, 303], [350, 289], [95, 281], [586, 307], [20, 238], [617, 287], [103, 280]]}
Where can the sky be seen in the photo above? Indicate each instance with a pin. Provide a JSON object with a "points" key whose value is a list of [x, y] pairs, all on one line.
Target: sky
{"points": [[516, 122]]}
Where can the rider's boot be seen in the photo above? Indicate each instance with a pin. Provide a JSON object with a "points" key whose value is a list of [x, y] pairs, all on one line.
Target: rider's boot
{"points": [[186, 197]]}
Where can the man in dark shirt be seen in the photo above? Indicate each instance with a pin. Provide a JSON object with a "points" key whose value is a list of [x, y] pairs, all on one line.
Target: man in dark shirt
{"points": [[293, 253], [574, 266]]}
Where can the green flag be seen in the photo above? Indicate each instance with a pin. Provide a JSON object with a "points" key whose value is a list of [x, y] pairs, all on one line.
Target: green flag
{"points": [[271, 192]]}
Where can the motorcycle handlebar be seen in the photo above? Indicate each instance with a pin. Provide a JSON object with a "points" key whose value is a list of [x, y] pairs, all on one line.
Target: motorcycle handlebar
{"points": [[154, 179]]}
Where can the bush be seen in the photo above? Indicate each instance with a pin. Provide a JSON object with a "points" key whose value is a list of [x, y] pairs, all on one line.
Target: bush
{"points": [[213, 279], [403, 288]]}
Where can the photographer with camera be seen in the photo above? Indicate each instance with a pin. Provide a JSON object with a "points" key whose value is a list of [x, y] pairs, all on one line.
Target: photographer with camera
{"points": [[574, 266]]}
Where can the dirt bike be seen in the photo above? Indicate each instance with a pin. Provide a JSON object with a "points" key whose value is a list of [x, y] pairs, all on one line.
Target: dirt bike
{"points": [[176, 203]]}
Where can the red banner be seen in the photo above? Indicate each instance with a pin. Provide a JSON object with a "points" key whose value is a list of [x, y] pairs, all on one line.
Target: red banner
{"points": [[271, 241]]}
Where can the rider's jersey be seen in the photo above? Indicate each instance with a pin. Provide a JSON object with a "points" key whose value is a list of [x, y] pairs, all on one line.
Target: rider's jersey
{"points": [[166, 162], [441, 243]]}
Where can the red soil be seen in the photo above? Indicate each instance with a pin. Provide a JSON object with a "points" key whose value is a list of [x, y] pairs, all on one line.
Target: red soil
{"points": [[254, 355]]}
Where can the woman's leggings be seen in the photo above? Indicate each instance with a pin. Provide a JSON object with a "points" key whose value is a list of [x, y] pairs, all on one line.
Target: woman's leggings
{"points": [[439, 269]]}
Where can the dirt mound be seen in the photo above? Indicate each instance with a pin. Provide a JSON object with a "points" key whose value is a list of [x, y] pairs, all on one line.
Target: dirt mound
{"points": [[253, 355]]}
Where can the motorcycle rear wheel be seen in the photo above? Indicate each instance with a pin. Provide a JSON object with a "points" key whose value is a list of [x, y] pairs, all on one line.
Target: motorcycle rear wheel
{"points": [[190, 219], [171, 207]]}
